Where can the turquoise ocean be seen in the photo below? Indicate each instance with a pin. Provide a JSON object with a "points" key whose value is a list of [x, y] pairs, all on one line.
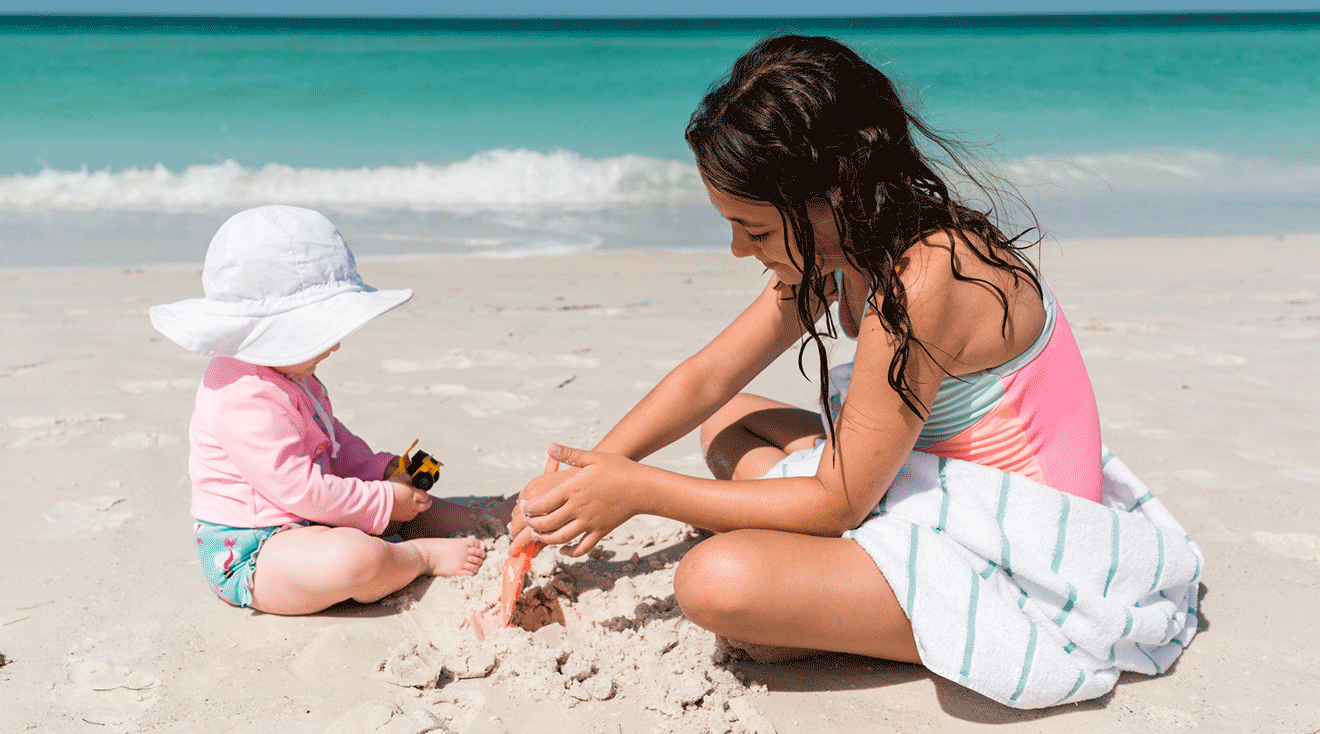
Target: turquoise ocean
{"points": [[128, 140]]}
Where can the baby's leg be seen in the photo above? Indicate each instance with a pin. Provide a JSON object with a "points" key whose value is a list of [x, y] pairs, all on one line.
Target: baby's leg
{"points": [[307, 569], [444, 518]]}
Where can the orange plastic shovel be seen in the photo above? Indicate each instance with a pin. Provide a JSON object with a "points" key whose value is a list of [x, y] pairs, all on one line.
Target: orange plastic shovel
{"points": [[516, 567]]}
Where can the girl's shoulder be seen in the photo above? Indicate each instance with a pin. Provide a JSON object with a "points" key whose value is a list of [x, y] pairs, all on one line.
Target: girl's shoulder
{"points": [[930, 267], [958, 263], [964, 305]]}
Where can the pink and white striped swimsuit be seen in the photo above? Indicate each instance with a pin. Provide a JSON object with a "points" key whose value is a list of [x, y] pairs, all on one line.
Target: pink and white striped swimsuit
{"points": [[1034, 415]]}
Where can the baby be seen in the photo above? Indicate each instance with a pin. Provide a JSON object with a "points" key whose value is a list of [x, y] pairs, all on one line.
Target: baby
{"points": [[273, 472]]}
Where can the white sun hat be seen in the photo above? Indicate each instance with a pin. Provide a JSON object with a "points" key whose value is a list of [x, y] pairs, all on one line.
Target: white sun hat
{"points": [[281, 288]]}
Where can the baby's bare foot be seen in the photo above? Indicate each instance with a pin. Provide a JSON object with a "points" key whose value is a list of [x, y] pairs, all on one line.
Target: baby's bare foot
{"points": [[452, 556], [762, 653]]}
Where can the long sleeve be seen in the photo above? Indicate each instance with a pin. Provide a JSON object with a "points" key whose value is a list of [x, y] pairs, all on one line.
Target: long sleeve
{"points": [[356, 459]]}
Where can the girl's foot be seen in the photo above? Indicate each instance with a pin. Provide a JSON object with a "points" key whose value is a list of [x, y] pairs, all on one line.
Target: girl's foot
{"points": [[451, 556], [767, 654]]}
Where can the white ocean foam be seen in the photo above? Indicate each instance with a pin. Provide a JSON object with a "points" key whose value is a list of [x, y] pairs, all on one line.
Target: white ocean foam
{"points": [[492, 179], [513, 179], [1178, 170]]}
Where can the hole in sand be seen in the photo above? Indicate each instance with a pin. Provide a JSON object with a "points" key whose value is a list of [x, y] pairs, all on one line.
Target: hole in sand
{"points": [[538, 607]]}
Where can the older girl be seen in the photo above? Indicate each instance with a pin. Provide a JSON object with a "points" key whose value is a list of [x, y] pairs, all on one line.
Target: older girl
{"points": [[962, 353]]}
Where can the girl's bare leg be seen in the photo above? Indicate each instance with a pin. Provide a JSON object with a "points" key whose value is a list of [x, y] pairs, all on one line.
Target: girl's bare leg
{"points": [[778, 595], [774, 595], [750, 434], [307, 569]]}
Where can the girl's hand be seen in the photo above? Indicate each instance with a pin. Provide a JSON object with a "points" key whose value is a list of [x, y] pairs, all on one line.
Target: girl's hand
{"points": [[409, 501], [588, 501]]}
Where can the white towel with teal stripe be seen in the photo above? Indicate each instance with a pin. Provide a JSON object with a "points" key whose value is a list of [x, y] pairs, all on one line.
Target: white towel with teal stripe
{"points": [[1027, 595]]}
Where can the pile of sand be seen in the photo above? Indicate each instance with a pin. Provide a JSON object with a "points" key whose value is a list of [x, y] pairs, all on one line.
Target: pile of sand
{"points": [[601, 628]]}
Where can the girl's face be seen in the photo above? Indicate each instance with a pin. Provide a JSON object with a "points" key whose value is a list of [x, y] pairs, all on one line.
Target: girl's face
{"points": [[759, 231], [306, 369]]}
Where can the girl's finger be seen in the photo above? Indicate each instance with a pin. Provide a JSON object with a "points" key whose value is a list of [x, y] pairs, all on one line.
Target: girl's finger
{"points": [[547, 503], [550, 522], [561, 535], [551, 466], [573, 457], [583, 546], [526, 537]]}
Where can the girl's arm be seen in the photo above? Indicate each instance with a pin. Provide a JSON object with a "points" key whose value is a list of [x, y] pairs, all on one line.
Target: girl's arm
{"points": [[876, 432], [690, 393], [704, 382]]}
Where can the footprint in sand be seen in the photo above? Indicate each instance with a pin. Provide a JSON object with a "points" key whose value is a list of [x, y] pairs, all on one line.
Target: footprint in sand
{"points": [[103, 692], [1303, 546], [142, 440], [551, 424], [563, 380], [80, 518], [42, 439], [479, 403], [1225, 360], [456, 359], [529, 461], [1200, 478], [1300, 474], [1097, 324], [405, 366], [158, 386], [355, 388], [1307, 335], [53, 430], [514, 359], [383, 716], [1299, 297]]}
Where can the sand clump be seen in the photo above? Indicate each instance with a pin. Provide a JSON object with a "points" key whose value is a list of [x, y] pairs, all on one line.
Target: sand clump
{"points": [[586, 631]]}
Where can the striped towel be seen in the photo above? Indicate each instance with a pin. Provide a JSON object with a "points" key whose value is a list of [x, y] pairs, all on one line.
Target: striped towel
{"points": [[1027, 595]]}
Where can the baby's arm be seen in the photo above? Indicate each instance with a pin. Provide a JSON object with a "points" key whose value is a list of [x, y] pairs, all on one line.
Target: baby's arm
{"points": [[409, 501], [355, 457]]}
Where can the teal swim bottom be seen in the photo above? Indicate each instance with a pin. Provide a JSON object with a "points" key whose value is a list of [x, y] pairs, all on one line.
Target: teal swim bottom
{"points": [[229, 557]]}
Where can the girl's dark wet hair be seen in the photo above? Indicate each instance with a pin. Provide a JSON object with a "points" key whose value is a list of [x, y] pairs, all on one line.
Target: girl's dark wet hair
{"points": [[804, 119]]}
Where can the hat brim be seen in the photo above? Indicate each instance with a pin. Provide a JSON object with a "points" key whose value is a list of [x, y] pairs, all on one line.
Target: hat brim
{"points": [[289, 338]]}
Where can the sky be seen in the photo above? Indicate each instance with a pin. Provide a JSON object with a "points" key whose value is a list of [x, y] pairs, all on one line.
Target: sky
{"points": [[615, 8]]}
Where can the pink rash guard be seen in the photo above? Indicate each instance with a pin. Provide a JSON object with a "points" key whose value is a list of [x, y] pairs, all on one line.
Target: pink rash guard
{"points": [[261, 458]]}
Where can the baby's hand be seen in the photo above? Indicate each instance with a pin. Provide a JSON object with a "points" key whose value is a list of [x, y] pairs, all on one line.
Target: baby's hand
{"points": [[409, 501]]}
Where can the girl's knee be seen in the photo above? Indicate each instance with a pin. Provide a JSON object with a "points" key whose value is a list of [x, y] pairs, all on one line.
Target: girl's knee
{"points": [[729, 415], [717, 581]]}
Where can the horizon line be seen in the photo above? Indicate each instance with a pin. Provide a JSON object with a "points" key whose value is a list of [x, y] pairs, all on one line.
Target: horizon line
{"points": [[75, 14]]}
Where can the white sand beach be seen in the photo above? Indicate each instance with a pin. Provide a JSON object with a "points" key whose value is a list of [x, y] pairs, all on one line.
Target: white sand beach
{"points": [[1201, 352]]}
